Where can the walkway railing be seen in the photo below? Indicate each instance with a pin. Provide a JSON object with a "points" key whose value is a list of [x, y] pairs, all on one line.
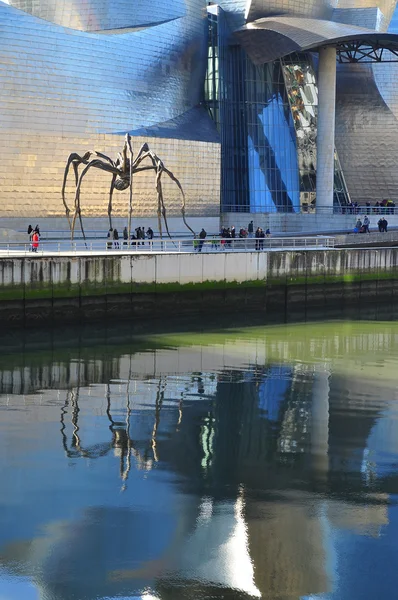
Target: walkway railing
{"points": [[361, 209], [210, 244]]}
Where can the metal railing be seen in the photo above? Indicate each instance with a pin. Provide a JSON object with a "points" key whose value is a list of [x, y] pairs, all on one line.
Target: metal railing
{"points": [[210, 244], [321, 210]]}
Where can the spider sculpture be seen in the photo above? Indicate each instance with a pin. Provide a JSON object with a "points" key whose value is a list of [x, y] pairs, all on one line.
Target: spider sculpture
{"points": [[122, 170]]}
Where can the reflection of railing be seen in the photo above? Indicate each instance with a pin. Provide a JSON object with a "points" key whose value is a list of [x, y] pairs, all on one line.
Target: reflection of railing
{"points": [[210, 244]]}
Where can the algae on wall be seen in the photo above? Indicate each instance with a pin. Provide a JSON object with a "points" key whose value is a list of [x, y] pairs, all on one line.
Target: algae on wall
{"points": [[36, 277]]}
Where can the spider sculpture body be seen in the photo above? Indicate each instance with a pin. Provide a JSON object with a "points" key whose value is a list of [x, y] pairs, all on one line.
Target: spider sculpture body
{"points": [[122, 170]]}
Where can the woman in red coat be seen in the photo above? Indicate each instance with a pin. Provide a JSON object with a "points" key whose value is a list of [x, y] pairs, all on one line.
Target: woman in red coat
{"points": [[35, 241]]}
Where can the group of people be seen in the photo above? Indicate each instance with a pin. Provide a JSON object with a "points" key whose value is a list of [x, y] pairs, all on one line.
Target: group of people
{"points": [[386, 206], [230, 233], [363, 226], [382, 224], [136, 239], [227, 236], [34, 237]]}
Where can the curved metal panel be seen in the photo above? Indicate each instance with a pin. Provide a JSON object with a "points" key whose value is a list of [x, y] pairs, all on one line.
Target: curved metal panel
{"points": [[356, 12], [386, 78], [63, 90], [372, 18], [269, 39], [97, 15], [366, 136], [315, 9], [58, 79], [387, 7]]}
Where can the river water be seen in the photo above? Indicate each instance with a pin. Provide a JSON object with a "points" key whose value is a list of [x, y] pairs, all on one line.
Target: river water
{"points": [[249, 462]]}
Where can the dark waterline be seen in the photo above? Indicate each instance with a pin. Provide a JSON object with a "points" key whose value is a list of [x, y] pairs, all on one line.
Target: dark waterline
{"points": [[177, 460]]}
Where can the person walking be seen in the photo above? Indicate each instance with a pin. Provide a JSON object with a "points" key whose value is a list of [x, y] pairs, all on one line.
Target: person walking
{"points": [[261, 241], [125, 237], [109, 243], [366, 224], [257, 235], [35, 241], [228, 237], [149, 234], [116, 239], [250, 229], [30, 233], [202, 237]]}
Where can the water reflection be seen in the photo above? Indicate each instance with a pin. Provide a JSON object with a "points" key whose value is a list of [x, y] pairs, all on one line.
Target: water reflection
{"points": [[252, 463]]}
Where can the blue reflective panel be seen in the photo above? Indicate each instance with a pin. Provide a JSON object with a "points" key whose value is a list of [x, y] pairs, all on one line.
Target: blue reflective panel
{"points": [[260, 195], [393, 28], [273, 157], [259, 156]]}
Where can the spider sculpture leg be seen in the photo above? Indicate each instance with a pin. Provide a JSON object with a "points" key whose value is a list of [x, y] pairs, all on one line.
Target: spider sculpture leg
{"points": [[128, 141], [144, 153], [160, 169], [99, 164], [76, 160], [161, 199], [110, 200], [176, 181], [159, 213]]}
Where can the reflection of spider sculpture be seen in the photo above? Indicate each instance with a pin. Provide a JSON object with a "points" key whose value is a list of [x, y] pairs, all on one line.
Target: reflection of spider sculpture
{"points": [[121, 442], [122, 169]]}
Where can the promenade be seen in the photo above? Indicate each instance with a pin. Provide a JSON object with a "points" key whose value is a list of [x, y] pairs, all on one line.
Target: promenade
{"points": [[213, 244]]}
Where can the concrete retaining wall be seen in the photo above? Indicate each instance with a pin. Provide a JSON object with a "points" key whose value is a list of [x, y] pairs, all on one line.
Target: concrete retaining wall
{"points": [[66, 288], [364, 239]]}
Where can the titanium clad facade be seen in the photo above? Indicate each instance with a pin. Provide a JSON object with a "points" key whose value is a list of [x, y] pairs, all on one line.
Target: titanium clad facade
{"points": [[66, 90], [314, 9], [76, 76], [99, 15], [367, 125], [366, 137]]}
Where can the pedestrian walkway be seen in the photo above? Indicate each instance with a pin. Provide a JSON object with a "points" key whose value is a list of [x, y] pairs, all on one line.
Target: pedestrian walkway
{"points": [[185, 245]]}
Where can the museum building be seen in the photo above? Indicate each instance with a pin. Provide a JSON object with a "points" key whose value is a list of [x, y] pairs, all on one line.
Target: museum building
{"points": [[257, 106]]}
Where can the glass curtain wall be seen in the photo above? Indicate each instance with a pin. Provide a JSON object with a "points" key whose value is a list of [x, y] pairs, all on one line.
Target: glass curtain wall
{"points": [[266, 116], [251, 108], [302, 89]]}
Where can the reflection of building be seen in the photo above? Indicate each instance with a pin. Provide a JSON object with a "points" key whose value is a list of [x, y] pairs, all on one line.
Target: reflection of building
{"points": [[76, 76], [262, 446]]}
